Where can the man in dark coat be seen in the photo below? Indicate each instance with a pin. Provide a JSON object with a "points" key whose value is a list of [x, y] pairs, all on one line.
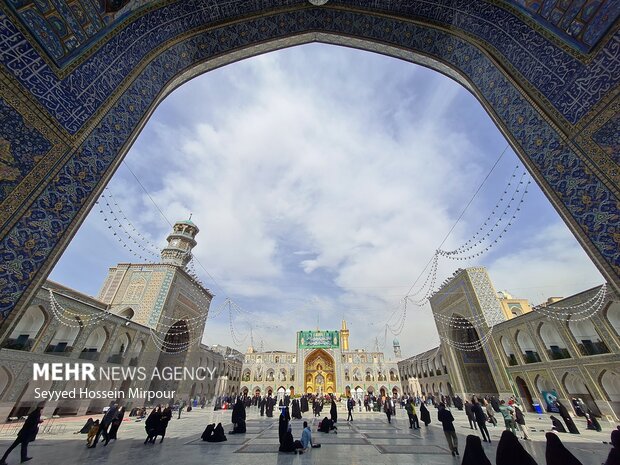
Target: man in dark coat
{"points": [[261, 403], [269, 404], [26, 434], [350, 405]]}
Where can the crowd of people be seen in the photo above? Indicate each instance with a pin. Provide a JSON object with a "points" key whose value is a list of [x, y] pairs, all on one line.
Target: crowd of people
{"points": [[479, 411]]}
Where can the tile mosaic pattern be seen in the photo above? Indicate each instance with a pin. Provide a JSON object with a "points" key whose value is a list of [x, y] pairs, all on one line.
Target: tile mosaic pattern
{"points": [[608, 138], [76, 98], [570, 85], [583, 21], [64, 29], [21, 147]]}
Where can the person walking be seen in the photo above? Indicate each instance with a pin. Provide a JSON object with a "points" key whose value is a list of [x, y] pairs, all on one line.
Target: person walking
{"points": [[26, 434], [116, 423], [411, 413], [447, 421], [481, 419], [490, 412], [105, 423], [470, 415], [508, 413], [520, 420], [350, 406], [387, 408], [425, 415]]}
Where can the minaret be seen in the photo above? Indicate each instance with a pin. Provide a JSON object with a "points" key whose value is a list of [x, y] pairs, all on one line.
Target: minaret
{"points": [[180, 243], [344, 336], [396, 345]]}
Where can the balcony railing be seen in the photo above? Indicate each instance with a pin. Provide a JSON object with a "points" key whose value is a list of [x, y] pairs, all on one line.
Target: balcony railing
{"points": [[531, 357], [59, 349], [116, 358], [18, 344], [557, 353], [87, 355], [512, 360], [593, 348]]}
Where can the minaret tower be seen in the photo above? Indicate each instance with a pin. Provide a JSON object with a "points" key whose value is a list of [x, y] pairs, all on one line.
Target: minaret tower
{"points": [[344, 336], [396, 345], [180, 243]]}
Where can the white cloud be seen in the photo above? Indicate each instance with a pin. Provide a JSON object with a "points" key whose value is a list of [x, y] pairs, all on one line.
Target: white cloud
{"points": [[322, 180]]}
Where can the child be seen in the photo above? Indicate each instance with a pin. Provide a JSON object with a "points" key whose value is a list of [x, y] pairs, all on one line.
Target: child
{"points": [[92, 433]]}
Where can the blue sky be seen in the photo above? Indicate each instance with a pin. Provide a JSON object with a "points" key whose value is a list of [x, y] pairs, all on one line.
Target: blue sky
{"points": [[322, 180]]}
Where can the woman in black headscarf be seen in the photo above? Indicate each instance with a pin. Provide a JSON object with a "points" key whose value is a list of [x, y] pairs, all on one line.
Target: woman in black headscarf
{"points": [[557, 424], [86, 428], [425, 416], [166, 416], [304, 403], [282, 426], [295, 410], [238, 417], [614, 454], [218, 434], [572, 428], [474, 453], [116, 423], [557, 453], [333, 411], [150, 425], [511, 452]]}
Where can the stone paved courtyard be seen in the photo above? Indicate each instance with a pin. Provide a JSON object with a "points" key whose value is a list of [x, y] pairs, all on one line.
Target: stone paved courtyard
{"points": [[369, 439]]}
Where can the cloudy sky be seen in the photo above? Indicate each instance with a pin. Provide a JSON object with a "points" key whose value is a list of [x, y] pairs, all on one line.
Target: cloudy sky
{"points": [[322, 180]]}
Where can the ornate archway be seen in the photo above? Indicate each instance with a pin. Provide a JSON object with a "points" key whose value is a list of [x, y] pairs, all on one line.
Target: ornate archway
{"points": [[319, 373], [71, 110]]}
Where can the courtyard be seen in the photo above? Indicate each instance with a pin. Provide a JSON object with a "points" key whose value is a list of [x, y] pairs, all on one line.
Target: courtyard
{"points": [[369, 439]]}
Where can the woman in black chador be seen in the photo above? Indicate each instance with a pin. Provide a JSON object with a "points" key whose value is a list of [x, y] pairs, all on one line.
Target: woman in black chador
{"points": [[474, 453], [557, 424], [151, 424], [116, 423], [166, 416], [218, 434], [295, 410], [282, 425], [557, 453], [511, 452], [238, 418], [572, 428], [86, 428], [333, 411], [425, 416], [304, 404]]}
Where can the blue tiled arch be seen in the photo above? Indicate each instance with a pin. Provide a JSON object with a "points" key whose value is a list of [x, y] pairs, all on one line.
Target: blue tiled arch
{"points": [[114, 86]]}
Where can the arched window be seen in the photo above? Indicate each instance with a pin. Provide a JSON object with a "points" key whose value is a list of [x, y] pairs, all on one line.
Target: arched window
{"points": [[27, 329], [509, 351], [610, 382], [246, 375], [588, 339], [613, 316], [127, 313], [119, 348], [94, 343], [64, 338], [556, 347], [528, 349]]}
